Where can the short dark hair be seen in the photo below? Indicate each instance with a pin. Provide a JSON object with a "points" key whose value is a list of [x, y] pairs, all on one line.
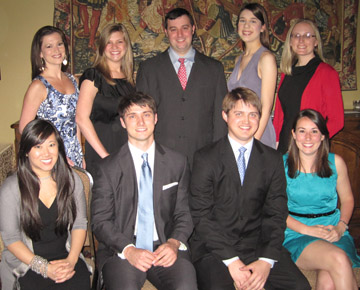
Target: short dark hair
{"points": [[176, 13], [136, 98], [248, 96]]}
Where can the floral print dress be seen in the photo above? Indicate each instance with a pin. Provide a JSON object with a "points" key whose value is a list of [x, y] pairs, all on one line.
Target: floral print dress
{"points": [[60, 110]]}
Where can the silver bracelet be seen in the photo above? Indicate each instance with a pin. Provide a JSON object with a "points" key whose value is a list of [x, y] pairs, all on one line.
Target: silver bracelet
{"points": [[39, 265], [346, 225]]}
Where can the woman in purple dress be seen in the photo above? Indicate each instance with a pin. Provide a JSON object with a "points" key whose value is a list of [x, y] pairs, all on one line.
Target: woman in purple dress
{"points": [[256, 67]]}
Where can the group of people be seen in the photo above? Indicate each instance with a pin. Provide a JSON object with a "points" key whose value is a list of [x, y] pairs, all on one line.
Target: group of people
{"points": [[189, 189]]}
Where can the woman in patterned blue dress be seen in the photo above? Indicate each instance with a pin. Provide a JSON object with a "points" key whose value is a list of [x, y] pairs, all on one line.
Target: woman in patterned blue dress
{"points": [[317, 233], [53, 93]]}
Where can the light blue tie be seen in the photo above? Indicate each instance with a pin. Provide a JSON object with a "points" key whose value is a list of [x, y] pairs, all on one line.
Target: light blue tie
{"points": [[241, 163], [145, 226]]}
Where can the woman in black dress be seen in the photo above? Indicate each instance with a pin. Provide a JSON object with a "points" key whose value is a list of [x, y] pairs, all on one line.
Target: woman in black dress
{"points": [[101, 88], [43, 216]]}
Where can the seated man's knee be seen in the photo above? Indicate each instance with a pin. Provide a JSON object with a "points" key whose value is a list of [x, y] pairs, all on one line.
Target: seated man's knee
{"points": [[302, 284]]}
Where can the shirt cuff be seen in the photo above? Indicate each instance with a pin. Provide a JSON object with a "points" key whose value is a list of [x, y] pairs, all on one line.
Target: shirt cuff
{"points": [[227, 262], [270, 261], [121, 255]]}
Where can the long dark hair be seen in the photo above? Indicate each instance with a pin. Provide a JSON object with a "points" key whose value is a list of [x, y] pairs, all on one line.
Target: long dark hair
{"points": [[36, 132], [36, 61], [260, 13], [322, 167]]}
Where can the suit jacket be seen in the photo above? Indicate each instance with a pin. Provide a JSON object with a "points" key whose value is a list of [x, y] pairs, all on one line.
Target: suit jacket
{"points": [[115, 198], [231, 219], [190, 119]]}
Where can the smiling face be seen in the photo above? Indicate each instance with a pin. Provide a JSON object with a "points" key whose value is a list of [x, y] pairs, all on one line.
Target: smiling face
{"points": [[139, 122], [52, 49], [180, 33], [303, 47], [116, 47], [43, 157], [307, 136], [242, 121], [249, 27]]}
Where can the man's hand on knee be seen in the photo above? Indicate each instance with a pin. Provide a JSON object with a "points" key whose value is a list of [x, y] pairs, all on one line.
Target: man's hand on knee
{"points": [[239, 276], [259, 273], [139, 258], [166, 254]]}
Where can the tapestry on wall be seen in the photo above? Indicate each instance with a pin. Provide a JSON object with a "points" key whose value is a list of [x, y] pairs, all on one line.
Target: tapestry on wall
{"points": [[216, 32]]}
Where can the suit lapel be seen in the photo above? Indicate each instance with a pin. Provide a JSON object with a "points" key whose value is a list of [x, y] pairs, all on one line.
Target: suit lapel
{"points": [[229, 162], [159, 169], [255, 165], [196, 71], [127, 164]]}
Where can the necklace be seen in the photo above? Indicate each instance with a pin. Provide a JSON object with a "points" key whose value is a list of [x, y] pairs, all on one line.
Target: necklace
{"points": [[45, 178]]}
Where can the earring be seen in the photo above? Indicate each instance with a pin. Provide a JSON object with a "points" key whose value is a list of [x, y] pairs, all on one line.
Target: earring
{"points": [[43, 64], [65, 61]]}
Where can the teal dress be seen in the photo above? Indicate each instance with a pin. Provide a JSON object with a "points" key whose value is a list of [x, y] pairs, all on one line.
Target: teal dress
{"points": [[310, 194]]}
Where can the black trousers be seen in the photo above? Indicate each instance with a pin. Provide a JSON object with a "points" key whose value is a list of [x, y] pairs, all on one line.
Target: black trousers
{"points": [[119, 274], [213, 274]]}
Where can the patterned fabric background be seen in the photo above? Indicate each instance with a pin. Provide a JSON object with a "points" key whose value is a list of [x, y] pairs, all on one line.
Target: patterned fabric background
{"points": [[216, 32]]}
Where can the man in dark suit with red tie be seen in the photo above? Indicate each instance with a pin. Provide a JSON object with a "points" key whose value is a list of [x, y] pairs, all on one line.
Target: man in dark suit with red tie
{"points": [[140, 210], [188, 88], [239, 207]]}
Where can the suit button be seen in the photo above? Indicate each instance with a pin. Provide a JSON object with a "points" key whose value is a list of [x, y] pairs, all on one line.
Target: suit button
{"points": [[183, 99], [182, 118]]}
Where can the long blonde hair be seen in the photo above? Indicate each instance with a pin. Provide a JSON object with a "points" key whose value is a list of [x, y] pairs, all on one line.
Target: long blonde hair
{"points": [[127, 63], [289, 58]]}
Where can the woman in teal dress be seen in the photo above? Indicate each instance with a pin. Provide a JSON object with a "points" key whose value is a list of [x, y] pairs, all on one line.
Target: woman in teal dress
{"points": [[317, 233]]}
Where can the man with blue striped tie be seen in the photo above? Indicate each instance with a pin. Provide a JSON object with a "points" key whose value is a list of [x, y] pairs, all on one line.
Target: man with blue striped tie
{"points": [[140, 210]]}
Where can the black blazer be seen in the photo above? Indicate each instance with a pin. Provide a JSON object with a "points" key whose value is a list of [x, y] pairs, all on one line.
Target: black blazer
{"points": [[115, 197], [233, 220], [190, 119]]}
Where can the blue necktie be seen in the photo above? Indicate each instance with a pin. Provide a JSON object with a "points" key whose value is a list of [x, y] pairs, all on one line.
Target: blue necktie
{"points": [[145, 226], [241, 163]]}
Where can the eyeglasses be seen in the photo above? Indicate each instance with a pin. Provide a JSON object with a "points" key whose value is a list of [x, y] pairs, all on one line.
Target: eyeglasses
{"points": [[298, 36]]}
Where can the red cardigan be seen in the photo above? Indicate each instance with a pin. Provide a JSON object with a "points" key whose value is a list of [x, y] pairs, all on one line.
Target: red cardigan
{"points": [[322, 94]]}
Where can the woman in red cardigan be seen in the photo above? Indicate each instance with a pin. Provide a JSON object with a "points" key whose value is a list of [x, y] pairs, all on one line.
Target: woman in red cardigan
{"points": [[307, 82]]}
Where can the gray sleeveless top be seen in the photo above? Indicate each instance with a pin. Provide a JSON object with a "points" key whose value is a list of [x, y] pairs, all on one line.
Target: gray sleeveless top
{"points": [[249, 79]]}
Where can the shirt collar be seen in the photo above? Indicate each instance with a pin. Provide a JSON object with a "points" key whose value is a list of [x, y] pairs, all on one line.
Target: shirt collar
{"points": [[236, 145], [136, 152], [189, 56]]}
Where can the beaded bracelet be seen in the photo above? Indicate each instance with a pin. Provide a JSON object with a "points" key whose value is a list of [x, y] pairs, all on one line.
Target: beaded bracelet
{"points": [[346, 225], [39, 265]]}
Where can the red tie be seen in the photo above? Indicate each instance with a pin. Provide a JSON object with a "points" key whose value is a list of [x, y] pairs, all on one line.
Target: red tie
{"points": [[182, 73]]}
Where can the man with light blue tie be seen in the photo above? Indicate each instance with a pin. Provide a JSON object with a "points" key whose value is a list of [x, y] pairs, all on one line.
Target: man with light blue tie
{"points": [[140, 211], [238, 203]]}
